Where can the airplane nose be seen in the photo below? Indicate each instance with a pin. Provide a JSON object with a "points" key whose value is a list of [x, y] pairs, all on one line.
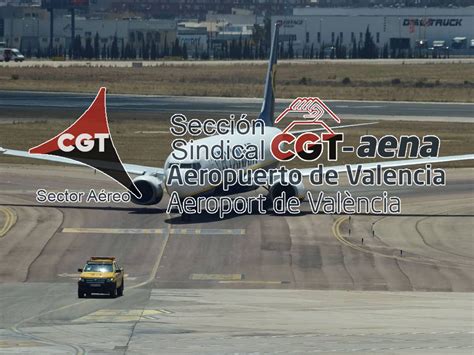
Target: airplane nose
{"points": [[170, 187], [183, 190]]}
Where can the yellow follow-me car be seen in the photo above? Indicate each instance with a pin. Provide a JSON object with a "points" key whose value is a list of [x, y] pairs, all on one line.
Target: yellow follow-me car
{"points": [[101, 274]]}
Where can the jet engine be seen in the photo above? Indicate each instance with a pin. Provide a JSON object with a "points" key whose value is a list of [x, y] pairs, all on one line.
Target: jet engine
{"points": [[277, 190], [151, 189]]}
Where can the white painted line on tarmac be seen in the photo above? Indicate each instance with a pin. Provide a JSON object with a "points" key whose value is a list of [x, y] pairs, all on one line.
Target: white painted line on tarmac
{"points": [[158, 231], [216, 277], [152, 132]]}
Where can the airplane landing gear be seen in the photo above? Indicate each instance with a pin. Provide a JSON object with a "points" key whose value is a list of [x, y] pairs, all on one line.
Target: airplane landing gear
{"points": [[185, 217]]}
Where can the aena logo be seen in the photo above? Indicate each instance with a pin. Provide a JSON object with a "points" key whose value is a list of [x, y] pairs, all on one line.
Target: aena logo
{"points": [[84, 142], [89, 142], [307, 146]]}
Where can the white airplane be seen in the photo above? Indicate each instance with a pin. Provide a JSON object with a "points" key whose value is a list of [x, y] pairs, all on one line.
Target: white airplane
{"points": [[150, 180]]}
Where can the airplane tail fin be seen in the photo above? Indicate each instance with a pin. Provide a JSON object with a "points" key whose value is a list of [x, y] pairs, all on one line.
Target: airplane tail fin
{"points": [[268, 106]]}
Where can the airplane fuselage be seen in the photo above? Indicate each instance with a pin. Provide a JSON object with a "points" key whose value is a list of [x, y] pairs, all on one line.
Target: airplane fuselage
{"points": [[193, 157]]}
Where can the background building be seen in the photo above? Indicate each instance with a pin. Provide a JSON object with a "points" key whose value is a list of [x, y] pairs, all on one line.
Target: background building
{"points": [[31, 35], [397, 28], [195, 8], [241, 33]]}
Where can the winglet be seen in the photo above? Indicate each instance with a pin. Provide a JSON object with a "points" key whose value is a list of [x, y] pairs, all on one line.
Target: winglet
{"points": [[268, 106]]}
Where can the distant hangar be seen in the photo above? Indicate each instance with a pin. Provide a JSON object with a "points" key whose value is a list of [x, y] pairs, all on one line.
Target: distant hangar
{"points": [[404, 28]]}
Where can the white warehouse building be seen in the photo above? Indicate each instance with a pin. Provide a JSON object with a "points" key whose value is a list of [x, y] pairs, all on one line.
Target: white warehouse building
{"points": [[31, 33], [402, 27]]}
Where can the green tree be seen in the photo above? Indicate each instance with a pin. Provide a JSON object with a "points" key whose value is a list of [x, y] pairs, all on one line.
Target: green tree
{"points": [[263, 52], [165, 47], [267, 29], [77, 48], [176, 49], [355, 53], [225, 50], [240, 48], [89, 51], [258, 33], [104, 52], [338, 48], [144, 50], [185, 52], [385, 51], [114, 51], [369, 50], [233, 49], [96, 46], [153, 52]]}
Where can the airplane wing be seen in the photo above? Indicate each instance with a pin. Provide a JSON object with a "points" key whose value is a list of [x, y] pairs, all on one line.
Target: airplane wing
{"points": [[393, 163], [318, 129], [130, 168]]}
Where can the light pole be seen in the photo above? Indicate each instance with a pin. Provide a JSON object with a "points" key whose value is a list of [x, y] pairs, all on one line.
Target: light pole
{"points": [[51, 30], [399, 27], [321, 35], [73, 30], [320, 30]]}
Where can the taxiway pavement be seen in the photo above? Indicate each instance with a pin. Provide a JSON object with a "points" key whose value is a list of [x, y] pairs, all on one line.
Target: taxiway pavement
{"points": [[243, 284], [31, 101]]}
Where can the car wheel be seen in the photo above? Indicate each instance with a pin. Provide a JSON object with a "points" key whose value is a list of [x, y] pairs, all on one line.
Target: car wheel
{"points": [[120, 290], [80, 294], [113, 294]]}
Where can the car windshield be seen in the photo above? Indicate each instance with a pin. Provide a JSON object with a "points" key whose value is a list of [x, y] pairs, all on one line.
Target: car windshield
{"points": [[98, 268], [16, 51]]}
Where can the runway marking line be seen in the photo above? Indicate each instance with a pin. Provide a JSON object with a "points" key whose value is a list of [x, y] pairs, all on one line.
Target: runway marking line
{"points": [[253, 282], [122, 315], [151, 132], [10, 220], [77, 348], [156, 231], [216, 277], [19, 344], [337, 234]]}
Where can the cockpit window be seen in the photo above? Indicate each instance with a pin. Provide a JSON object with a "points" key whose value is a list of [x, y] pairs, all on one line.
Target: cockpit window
{"points": [[195, 166]]}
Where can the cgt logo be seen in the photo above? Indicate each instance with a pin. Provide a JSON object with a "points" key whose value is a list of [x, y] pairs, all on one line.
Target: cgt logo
{"points": [[83, 142], [306, 145], [89, 142]]}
